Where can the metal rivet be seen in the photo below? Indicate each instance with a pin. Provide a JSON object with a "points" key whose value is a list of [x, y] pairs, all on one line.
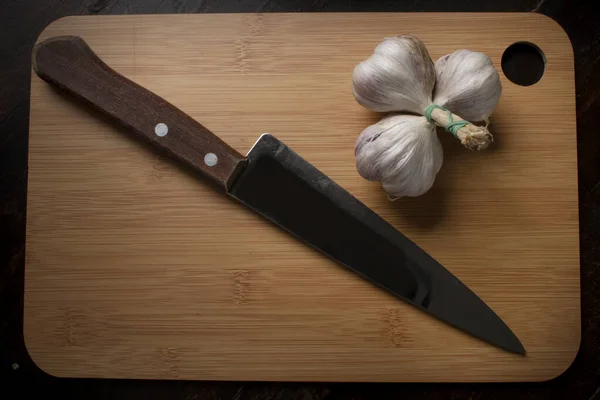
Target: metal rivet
{"points": [[161, 129], [210, 159]]}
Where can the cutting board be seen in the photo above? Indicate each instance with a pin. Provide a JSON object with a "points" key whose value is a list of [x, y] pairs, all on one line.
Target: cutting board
{"points": [[137, 269]]}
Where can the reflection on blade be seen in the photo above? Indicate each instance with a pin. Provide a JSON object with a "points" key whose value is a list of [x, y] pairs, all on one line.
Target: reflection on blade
{"points": [[290, 192]]}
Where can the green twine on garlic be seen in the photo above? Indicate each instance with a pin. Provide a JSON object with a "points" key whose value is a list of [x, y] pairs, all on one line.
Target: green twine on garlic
{"points": [[452, 126]]}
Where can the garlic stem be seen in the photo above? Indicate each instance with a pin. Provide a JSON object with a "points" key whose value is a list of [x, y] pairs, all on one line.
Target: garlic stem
{"points": [[471, 136]]}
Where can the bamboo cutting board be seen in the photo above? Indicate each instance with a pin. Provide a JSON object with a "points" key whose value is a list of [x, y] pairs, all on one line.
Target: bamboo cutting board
{"points": [[136, 269]]}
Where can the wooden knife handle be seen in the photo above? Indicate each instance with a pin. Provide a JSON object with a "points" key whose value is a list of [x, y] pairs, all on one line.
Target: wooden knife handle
{"points": [[70, 64]]}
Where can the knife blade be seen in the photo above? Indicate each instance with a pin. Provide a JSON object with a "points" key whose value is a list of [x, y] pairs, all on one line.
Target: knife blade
{"points": [[277, 183]]}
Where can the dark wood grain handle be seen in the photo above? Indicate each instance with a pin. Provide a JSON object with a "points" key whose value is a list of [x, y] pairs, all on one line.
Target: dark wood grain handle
{"points": [[70, 64]]}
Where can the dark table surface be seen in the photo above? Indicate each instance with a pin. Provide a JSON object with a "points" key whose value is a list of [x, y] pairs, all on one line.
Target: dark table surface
{"points": [[21, 21]]}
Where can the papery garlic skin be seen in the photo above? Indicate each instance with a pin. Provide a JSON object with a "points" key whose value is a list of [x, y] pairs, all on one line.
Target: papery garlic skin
{"points": [[401, 151], [467, 84], [399, 76]]}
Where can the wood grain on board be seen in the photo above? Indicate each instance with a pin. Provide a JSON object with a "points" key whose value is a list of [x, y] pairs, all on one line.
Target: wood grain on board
{"points": [[135, 268]]}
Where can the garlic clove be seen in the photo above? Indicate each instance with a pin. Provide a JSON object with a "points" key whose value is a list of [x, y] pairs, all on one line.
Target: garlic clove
{"points": [[399, 76], [467, 84], [401, 151]]}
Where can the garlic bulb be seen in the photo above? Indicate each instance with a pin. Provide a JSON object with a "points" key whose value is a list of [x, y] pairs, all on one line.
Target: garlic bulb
{"points": [[467, 83], [399, 76], [401, 151]]}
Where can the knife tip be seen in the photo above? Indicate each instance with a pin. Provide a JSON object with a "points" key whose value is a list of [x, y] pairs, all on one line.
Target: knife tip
{"points": [[516, 347]]}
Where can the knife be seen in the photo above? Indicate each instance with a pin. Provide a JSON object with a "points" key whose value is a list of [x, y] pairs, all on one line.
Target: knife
{"points": [[280, 185]]}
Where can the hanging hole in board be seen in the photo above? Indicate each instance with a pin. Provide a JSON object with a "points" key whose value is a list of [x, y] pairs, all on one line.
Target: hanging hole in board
{"points": [[523, 63]]}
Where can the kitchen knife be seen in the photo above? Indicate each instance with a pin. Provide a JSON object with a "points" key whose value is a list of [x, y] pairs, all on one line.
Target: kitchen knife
{"points": [[280, 185]]}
